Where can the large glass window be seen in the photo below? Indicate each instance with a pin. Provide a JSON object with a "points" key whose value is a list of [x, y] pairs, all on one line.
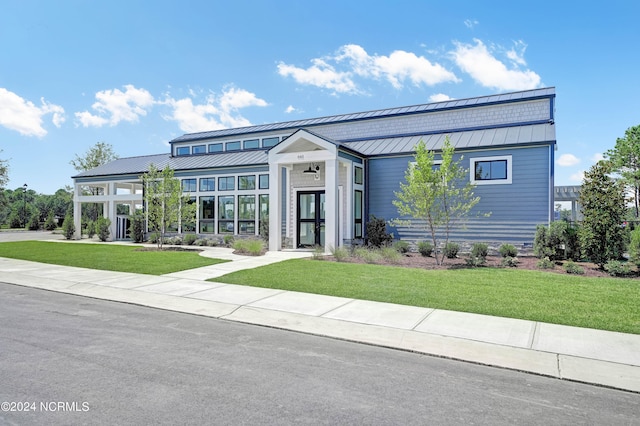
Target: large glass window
{"points": [[188, 185], [269, 142], [251, 144], [233, 146], [207, 184], [247, 182], [226, 212], [264, 182], [226, 183], [246, 214], [357, 214], [207, 215], [199, 149], [188, 224], [215, 147], [264, 216], [183, 150]]}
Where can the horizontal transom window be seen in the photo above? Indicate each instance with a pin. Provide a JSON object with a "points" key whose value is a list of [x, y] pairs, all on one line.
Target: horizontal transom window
{"points": [[491, 170]]}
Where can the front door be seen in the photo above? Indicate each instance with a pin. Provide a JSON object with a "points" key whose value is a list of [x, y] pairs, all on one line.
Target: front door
{"points": [[310, 219]]}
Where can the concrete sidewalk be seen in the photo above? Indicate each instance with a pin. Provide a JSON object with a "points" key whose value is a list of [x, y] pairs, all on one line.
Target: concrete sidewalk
{"points": [[584, 355]]}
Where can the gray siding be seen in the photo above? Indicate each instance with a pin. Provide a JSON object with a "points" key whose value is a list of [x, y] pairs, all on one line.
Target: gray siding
{"points": [[515, 208]]}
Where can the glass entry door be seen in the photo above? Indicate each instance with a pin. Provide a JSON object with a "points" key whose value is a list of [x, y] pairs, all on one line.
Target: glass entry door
{"points": [[310, 219]]}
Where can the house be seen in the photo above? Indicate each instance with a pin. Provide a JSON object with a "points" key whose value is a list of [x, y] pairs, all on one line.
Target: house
{"points": [[316, 181]]}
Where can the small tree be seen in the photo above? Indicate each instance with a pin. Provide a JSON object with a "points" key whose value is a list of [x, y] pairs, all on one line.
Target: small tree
{"points": [[441, 195], [102, 228], [164, 202], [136, 227], [603, 208], [377, 235], [625, 160], [68, 227]]}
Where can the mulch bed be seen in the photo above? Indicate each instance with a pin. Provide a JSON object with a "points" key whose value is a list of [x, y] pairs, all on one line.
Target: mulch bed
{"points": [[171, 248]]}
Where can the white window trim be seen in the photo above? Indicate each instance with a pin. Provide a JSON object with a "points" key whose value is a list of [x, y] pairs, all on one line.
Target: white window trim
{"points": [[472, 170]]}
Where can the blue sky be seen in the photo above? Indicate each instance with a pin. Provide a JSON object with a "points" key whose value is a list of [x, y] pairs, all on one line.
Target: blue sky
{"points": [[137, 74]]}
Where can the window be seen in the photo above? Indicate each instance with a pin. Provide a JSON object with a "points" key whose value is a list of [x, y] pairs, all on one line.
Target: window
{"points": [[182, 150], [264, 182], [233, 146], [188, 185], [269, 142], [264, 216], [207, 215], [215, 147], [199, 149], [358, 178], [226, 183], [226, 212], [357, 214], [251, 144], [491, 170], [246, 214], [189, 225], [247, 182], [207, 184]]}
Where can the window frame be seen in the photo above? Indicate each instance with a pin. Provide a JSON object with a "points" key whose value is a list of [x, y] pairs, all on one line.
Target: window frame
{"points": [[472, 170], [207, 188], [250, 180], [226, 180], [183, 150], [215, 147]]}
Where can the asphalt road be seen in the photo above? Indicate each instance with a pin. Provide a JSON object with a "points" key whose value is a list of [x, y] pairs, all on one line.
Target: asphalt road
{"points": [[74, 360]]}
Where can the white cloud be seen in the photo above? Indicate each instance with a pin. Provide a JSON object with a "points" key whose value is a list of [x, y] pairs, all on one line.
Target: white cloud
{"points": [[439, 97], [516, 54], [395, 68], [290, 109], [597, 157], [577, 177], [217, 112], [483, 67], [114, 106], [567, 160], [320, 74], [24, 116], [470, 23], [337, 72]]}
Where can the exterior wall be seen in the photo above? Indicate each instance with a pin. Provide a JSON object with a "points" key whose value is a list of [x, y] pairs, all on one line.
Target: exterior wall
{"points": [[515, 208]]}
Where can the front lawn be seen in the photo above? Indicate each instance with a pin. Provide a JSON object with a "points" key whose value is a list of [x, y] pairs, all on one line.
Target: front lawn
{"points": [[106, 257], [601, 303]]}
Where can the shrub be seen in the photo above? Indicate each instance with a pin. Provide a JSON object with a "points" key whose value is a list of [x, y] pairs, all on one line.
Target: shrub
{"points": [[551, 241], [340, 254], [478, 255], [425, 248], [573, 268], [211, 242], [508, 250], [368, 255], [615, 268], [154, 238], [250, 246], [318, 253], [377, 234], [545, 263], [91, 229], [634, 246], [102, 228], [451, 250], [263, 227], [34, 223], [189, 239], [136, 227], [401, 246], [390, 254], [68, 227], [510, 261], [50, 223], [228, 240]]}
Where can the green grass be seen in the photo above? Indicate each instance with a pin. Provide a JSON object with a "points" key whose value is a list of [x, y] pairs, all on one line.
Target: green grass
{"points": [[601, 303], [105, 257]]}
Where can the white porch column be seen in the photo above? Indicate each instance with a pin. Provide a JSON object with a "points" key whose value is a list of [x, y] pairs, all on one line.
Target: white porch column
{"points": [[331, 218], [111, 209], [275, 204], [77, 213]]}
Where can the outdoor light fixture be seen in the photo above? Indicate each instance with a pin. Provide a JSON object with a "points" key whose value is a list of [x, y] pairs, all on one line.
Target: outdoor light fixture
{"points": [[313, 169]]}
